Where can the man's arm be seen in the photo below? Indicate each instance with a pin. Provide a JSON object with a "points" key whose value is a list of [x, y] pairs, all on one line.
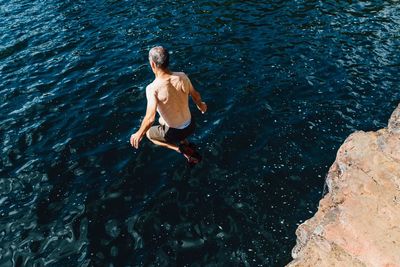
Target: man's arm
{"points": [[148, 119], [202, 106]]}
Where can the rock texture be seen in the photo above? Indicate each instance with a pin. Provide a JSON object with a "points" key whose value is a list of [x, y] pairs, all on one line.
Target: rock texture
{"points": [[358, 221]]}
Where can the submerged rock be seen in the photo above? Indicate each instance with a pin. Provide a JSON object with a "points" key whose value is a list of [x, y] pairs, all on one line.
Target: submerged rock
{"points": [[358, 221]]}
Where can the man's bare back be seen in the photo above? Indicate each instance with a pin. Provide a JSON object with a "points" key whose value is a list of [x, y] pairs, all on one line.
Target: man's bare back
{"points": [[172, 93]]}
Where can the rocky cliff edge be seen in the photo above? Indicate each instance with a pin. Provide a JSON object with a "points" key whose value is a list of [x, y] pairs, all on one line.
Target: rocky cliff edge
{"points": [[358, 221]]}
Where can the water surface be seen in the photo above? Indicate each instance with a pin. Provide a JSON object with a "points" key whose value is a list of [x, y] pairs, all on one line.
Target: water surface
{"points": [[285, 82]]}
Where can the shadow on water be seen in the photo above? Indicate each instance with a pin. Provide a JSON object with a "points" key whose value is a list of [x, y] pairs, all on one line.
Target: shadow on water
{"points": [[285, 83]]}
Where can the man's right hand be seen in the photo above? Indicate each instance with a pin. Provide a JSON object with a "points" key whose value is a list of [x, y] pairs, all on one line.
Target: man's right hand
{"points": [[202, 107], [135, 140]]}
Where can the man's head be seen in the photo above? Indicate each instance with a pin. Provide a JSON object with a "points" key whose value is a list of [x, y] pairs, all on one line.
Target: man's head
{"points": [[159, 58]]}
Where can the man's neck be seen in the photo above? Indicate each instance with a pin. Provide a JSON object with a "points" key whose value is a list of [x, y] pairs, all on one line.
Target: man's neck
{"points": [[162, 73]]}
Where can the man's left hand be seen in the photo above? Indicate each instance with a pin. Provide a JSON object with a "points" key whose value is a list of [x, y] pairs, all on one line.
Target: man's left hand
{"points": [[135, 140]]}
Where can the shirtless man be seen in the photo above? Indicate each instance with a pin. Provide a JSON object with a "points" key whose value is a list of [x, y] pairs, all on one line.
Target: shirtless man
{"points": [[169, 94]]}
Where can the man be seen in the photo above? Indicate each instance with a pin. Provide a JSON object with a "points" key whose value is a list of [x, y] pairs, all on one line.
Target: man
{"points": [[169, 94]]}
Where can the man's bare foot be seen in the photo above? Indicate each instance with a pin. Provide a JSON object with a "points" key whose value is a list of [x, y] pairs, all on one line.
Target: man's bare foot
{"points": [[189, 152]]}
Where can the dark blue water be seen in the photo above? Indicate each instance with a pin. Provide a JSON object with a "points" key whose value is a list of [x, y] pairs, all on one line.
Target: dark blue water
{"points": [[285, 81]]}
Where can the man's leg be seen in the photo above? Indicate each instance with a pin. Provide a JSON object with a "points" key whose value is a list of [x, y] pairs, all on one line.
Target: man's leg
{"points": [[161, 143], [156, 135]]}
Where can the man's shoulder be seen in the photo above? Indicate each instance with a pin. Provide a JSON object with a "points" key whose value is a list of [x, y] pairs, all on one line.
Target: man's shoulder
{"points": [[180, 74], [182, 78], [151, 89]]}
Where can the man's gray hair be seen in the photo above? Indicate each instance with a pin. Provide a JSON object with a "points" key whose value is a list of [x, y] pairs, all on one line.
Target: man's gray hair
{"points": [[159, 55]]}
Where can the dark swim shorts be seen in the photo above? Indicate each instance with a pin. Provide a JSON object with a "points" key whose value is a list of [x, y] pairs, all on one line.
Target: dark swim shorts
{"points": [[167, 134]]}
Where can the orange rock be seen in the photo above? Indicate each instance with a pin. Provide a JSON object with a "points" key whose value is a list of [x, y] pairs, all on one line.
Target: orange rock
{"points": [[358, 221]]}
